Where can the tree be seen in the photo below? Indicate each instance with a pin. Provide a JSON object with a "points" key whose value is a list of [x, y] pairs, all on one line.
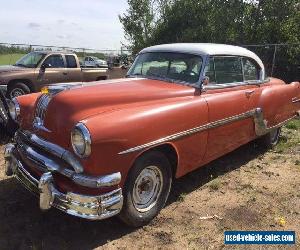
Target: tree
{"points": [[219, 21], [138, 23]]}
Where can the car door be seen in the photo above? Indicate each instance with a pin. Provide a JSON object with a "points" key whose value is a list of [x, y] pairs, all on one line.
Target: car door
{"points": [[228, 103], [73, 71], [52, 70]]}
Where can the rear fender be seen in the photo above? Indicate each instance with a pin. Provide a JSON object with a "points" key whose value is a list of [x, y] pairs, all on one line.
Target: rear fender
{"points": [[280, 102]]}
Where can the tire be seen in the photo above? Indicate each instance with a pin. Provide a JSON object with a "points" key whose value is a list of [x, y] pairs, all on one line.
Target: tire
{"points": [[18, 89], [269, 140], [151, 172]]}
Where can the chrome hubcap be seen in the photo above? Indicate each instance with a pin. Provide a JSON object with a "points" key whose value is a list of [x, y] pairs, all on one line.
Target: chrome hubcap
{"points": [[17, 92], [147, 188]]}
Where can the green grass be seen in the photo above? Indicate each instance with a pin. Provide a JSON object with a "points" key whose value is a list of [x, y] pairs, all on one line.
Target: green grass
{"points": [[289, 141], [6, 59], [215, 184], [295, 125]]}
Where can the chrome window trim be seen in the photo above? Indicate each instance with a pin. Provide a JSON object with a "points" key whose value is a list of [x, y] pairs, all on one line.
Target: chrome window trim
{"points": [[235, 84], [260, 123]]}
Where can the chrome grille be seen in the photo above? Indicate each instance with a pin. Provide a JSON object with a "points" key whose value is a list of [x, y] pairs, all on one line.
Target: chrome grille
{"points": [[41, 106]]}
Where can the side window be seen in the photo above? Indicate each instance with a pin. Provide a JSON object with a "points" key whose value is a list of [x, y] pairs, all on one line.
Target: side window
{"points": [[209, 70], [251, 70], [71, 61], [55, 61], [228, 69]]}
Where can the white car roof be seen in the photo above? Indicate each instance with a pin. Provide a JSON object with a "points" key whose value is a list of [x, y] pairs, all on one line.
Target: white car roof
{"points": [[205, 49]]}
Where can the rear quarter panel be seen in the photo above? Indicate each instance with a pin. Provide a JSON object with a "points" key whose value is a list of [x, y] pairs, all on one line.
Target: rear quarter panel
{"points": [[277, 101]]}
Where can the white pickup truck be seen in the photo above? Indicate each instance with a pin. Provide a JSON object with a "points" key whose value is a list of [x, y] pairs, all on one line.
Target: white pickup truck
{"points": [[95, 62]]}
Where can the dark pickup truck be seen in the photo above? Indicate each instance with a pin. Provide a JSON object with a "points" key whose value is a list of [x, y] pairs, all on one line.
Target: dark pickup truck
{"points": [[41, 68]]}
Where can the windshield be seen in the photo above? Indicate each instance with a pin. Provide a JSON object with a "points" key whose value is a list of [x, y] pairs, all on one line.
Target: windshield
{"points": [[30, 60], [175, 67]]}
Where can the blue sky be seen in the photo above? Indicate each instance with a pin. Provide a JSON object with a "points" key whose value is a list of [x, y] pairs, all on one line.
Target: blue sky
{"points": [[73, 23]]}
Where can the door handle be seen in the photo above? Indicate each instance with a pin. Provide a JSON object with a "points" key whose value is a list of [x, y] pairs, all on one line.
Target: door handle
{"points": [[65, 73], [249, 93]]}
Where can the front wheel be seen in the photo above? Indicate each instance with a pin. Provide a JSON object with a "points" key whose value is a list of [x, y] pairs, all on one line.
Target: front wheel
{"points": [[18, 89], [147, 189]]}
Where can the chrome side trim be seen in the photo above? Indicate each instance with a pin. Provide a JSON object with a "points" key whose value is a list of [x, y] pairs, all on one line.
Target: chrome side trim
{"points": [[295, 100], [257, 114], [261, 125], [88, 207], [192, 131], [235, 84]]}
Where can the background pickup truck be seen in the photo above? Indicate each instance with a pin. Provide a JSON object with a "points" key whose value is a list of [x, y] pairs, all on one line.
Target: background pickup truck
{"points": [[40, 68], [95, 62]]}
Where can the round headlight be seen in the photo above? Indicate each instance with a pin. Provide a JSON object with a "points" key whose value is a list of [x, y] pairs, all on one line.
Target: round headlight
{"points": [[14, 109], [81, 140]]}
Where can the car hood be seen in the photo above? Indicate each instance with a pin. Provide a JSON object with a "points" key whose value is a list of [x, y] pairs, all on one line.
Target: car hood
{"points": [[11, 68], [79, 103]]}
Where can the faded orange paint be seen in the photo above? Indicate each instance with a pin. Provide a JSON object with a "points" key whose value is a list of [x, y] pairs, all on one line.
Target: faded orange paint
{"points": [[134, 112]]}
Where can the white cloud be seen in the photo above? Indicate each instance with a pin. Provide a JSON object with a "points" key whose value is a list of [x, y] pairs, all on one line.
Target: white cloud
{"points": [[73, 23]]}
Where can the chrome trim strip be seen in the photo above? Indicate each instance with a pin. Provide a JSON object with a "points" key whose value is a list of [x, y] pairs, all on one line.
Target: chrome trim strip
{"points": [[191, 131], [232, 85], [260, 123], [257, 114], [295, 100], [88, 207]]}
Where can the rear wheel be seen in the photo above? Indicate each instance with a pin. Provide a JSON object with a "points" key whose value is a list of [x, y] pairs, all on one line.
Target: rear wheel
{"points": [[271, 139], [18, 89], [147, 189]]}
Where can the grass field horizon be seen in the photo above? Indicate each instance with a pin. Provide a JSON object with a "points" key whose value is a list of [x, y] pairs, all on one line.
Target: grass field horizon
{"points": [[7, 59]]}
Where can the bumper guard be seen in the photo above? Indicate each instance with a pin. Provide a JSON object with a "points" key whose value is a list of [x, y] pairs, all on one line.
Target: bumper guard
{"points": [[84, 206]]}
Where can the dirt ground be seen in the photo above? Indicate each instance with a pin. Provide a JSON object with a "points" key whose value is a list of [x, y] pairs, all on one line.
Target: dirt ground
{"points": [[248, 189]]}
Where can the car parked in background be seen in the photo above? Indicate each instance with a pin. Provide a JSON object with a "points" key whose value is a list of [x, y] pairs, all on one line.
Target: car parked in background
{"points": [[92, 61], [98, 150], [40, 68]]}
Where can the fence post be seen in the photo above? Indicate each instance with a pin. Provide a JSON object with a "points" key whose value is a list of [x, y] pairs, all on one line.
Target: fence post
{"points": [[274, 58]]}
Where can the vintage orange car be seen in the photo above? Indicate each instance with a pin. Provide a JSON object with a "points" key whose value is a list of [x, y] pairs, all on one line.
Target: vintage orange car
{"points": [[114, 147]]}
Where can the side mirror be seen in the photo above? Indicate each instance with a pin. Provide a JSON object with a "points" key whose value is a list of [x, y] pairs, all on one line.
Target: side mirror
{"points": [[45, 65]]}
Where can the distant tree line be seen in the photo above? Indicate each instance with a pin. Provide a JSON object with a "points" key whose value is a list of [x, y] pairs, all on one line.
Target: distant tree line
{"points": [[240, 22], [6, 50], [13, 49]]}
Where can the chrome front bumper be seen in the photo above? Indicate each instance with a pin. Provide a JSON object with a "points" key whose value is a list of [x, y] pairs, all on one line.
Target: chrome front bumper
{"points": [[87, 207]]}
